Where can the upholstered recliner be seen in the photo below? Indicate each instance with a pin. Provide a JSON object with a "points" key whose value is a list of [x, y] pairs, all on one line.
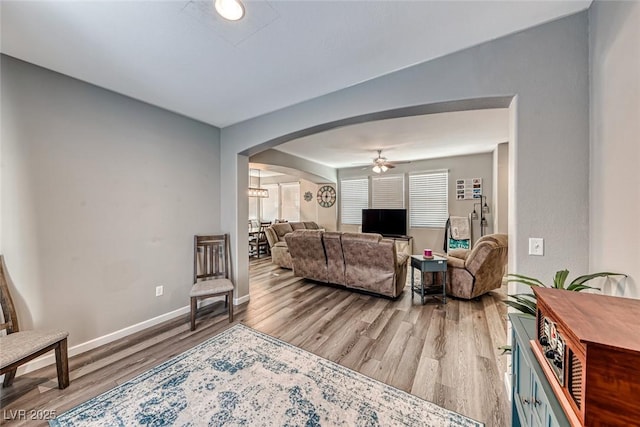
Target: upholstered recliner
{"points": [[278, 246], [474, 272], [335, 257], [372, 264], [307, 254]]}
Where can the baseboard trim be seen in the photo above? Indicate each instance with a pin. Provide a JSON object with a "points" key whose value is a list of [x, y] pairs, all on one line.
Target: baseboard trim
{"points": [[241, 300], [50, 359]]}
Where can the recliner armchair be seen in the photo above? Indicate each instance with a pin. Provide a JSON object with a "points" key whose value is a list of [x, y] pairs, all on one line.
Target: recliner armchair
{"points": [[372, 264], [474, 272], [278, 245]]}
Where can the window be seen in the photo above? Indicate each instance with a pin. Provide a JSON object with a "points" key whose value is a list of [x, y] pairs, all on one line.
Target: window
{"points": [[387, 192], [354, 196], [269, 205], [253, 208], [290, 201], [428, 199]]}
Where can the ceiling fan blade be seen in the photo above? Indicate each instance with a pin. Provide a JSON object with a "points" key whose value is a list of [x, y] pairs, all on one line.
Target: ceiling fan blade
{"points": [[390, 165]]}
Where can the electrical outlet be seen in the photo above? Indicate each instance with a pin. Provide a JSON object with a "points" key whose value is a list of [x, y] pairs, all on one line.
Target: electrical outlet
{"points": [[159, 290], [536, 246]]}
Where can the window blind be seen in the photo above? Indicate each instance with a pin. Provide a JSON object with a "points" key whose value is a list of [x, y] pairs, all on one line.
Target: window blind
{"points": [[387, 192], [290, 201], [269, 206], [354, 196], [428, 199]]}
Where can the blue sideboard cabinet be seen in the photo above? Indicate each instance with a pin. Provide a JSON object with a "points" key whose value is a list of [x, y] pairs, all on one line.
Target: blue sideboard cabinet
{"points": [[533, 403]]}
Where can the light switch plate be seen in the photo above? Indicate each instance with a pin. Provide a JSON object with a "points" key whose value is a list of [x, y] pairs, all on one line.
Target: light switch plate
{"points": [[536, 246]]}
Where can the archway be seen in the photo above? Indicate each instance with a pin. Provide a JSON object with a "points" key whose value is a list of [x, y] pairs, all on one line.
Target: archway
{"points": [[433, 108]]}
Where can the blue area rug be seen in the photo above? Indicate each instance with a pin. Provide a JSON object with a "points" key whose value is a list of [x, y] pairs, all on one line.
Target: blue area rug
{"points": [[244, 377]]}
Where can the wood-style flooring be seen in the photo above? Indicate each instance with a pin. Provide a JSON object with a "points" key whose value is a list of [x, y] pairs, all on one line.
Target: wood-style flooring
{"points": [[447, 354]]}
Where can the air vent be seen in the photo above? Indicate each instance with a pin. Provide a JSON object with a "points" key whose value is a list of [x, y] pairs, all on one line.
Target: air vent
{"points": [[575, 379]]}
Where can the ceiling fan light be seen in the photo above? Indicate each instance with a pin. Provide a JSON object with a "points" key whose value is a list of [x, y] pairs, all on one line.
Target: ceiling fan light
{"points": [[232, 10], [384, 168], [377, 169]]}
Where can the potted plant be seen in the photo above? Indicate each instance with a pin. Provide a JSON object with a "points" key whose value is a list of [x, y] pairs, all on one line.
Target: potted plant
{"points": [[526, 303]]}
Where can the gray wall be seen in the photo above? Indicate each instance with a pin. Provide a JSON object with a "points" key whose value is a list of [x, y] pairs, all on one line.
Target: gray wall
{"points": [[459, 167], [101, 196], [546, 67], [615, 142], [500, 202]]}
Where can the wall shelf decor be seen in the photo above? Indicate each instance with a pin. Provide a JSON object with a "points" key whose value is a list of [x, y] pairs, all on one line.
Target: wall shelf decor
{"points": [[468, 188]]}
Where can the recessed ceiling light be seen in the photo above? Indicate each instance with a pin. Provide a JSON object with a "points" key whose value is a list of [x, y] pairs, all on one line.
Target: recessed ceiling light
{"points": [[232, 10]]}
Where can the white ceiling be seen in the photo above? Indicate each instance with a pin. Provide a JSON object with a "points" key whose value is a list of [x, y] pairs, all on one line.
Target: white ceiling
{"points": [[179, 55], [404, 139]]}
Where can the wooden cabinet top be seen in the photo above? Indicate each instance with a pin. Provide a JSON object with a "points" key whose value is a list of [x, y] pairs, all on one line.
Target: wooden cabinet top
{"points": [[592, 318]]}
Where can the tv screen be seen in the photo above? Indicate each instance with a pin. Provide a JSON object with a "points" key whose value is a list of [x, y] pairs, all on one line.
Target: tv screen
{"points": [[388, 222]]}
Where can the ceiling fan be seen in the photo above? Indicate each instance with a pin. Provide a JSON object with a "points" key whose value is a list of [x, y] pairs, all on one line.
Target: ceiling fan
{"points": [[380, 164]]}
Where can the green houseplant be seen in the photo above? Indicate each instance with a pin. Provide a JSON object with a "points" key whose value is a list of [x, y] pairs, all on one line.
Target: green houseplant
{"points": [[526, 303]]}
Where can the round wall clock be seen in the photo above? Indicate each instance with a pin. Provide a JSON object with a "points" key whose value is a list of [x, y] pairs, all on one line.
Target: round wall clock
{"points": [[308, 196], [326, 196]]}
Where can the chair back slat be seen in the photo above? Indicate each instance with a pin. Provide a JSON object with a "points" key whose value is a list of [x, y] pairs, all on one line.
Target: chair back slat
{"points": [[211, 257], [9, 316]]}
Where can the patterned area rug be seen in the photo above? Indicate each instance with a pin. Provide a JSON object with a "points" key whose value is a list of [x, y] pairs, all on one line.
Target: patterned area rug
{"points": [[243, 377]]}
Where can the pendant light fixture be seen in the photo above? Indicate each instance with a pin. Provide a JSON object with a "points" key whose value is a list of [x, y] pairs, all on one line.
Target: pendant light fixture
{"points": [[257, 191], [232, 10]]}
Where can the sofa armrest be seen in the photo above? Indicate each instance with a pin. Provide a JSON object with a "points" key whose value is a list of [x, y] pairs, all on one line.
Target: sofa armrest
{"points": [[272, 238], [455, 262], [402, 258], [459, 253]]}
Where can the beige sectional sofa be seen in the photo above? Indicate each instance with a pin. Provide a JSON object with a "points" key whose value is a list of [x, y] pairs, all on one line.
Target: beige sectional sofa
{"points": [[362, 261], [275, 236]]}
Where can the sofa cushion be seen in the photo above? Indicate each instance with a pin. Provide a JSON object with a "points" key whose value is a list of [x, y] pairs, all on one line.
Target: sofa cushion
{"points": [[308, 255], [370, 263], [297, 226], [335, 257], [310, 225], [282, 229]]}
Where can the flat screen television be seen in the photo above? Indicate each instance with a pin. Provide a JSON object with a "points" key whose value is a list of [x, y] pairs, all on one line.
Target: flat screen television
{"points": [[388, 222]]}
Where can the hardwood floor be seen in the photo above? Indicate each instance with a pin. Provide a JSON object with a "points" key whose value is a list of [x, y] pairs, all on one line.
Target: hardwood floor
{"points": [[447, 354]]}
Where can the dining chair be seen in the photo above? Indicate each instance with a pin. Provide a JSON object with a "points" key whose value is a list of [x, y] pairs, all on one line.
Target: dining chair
{"points": [[258, 243], [19, 347], [211, 272]]}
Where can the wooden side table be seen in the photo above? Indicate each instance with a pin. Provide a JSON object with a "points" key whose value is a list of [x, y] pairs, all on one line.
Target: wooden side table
{"points": [[429, 265]]}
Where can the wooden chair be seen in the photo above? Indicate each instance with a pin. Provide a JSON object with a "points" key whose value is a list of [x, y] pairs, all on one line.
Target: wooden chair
{"points": [[19, 347], [259, 243], [211, 266]]}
